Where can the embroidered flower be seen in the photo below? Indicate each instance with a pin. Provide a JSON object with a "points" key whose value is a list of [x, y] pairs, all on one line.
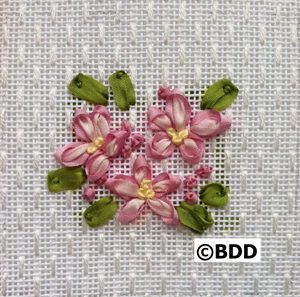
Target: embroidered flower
{"points": [[137, 141], [204, 171], [190, 181], [88, 194], [96, 143], [191, 197], [173, 127], [141, 190]]}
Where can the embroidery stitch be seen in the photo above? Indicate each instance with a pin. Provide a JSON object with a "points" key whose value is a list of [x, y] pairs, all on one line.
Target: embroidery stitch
{"points": [[215, 194], [174, 128], [100, 212], [64, 179], [123, 90], [87, 88], [219, 95], [96, 145], [141, 190]]}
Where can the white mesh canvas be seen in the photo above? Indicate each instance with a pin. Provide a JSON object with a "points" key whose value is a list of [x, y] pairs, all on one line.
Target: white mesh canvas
{"points": [[46, 250]]}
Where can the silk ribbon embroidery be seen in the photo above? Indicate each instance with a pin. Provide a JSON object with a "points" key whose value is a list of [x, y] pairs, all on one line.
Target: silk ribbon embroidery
{"points": [[174, 128], [95, 146], [89, 157]]}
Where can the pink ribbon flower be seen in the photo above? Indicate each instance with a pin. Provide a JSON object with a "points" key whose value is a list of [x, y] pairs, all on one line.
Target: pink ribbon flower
{"points": [[96, 143], [191, 197], [89, 194], [173, 127], [204, 171], [141, 190], [137, 141], [190, 181]]}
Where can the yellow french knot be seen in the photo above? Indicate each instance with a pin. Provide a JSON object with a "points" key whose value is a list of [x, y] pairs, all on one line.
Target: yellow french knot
{"points": [[96, 144], [177, 137], [145, 191]]}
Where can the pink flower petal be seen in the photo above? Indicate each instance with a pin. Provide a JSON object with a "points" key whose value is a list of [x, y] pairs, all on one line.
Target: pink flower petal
{"points": [[179, 110], [96, 166], [73, 154], [123, 186], [80, 111], [158, 120], [160, 146], [131, 210], [209, 123], [101, 119], [114, 142], [165, 183], [141, 169], [192, 150], [165, 209], [83, 126]]}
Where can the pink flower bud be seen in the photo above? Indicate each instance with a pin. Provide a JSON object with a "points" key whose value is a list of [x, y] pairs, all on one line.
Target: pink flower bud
{"points": [[88, 194], [163, 92], [191, 197], [126, 151], [102, 180], [190, 181], [137, 141], [204, 171], [126, 126]]}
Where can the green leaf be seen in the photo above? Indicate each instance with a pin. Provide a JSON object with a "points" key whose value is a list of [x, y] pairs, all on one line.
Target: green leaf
{"points": [[66, 179], [89, 89], [196, 217], [219, 95], [123, 90], [215, 194], [201, 214], [100, 212]]}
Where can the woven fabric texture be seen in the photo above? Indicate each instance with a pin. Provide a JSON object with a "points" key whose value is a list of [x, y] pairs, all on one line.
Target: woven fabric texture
{"points": [[46, 250]]}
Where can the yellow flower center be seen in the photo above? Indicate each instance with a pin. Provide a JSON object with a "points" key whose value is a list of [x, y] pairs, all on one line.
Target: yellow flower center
{"points": [[96, 144], [145, 191], [177, 137]]}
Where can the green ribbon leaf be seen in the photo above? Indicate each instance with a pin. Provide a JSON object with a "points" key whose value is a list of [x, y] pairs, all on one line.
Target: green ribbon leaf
{"points": [[215, 194], [66, 179], [219, 95], [196, 217], [123, 90], [100, 212], [89, 89]]}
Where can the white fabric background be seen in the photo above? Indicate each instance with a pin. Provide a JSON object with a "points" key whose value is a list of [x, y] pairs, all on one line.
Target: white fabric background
{"points": [[45, 248]]}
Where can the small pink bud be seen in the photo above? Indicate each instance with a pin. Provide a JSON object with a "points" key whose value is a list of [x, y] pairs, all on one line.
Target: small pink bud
{"points": [[164, 92], [190, 181], [137, 141], [191, 197], [126, 151], [126, 126], [88, 194], [204, 171], [102, 180]]}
